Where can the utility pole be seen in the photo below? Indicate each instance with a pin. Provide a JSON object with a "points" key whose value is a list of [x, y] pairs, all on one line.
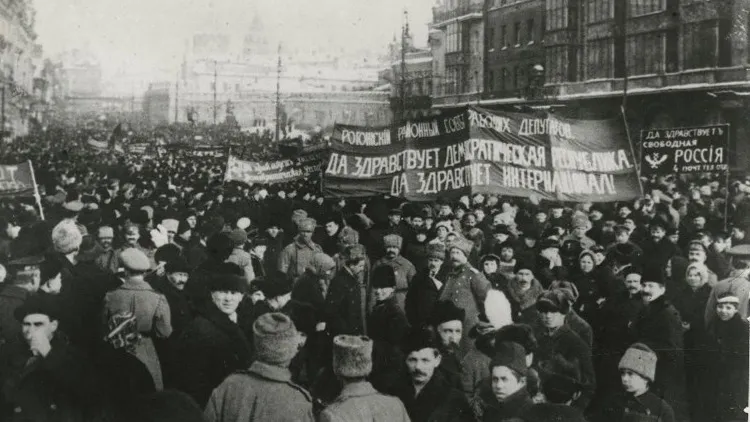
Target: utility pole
{"points": [[402, 79], [3, 110], [176, 99], [215, 110], [278, 93]]}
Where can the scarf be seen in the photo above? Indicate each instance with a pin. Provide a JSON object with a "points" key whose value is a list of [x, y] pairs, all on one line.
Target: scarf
{"points": [[525, 299]]}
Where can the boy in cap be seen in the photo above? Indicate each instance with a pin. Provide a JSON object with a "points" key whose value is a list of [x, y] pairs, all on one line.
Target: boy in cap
{"points": [[510, 396], [730, 333], [359, 401], [267, 382], [637, 402]]}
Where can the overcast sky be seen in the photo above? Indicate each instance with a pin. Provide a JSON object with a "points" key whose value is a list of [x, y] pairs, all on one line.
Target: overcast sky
{"points": [[147, 37]]}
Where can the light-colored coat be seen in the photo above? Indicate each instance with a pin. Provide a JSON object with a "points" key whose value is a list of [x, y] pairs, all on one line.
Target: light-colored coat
{"points": [[262, 393], [360, 402], [295, 257], [243, 260], [152, 317], [467, 288]]}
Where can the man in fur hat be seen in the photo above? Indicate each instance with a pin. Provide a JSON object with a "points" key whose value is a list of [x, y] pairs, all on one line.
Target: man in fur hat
{"points": [[347, 297], [359, 401], [464, 285], [402, 268], [267, 382], [294, 259], [425, 289]]}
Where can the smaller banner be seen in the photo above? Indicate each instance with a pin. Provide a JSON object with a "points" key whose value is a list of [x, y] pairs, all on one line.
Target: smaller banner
{"points": [[701, 149], [138, 148], [272, 172], [98, 145], [17, 180]]}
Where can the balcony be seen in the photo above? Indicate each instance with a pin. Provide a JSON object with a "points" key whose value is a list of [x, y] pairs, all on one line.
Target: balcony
{"points": [[441, 16]]}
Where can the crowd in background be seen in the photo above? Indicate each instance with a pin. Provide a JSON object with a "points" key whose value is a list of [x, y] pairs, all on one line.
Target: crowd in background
{"points": [[155, 291]]}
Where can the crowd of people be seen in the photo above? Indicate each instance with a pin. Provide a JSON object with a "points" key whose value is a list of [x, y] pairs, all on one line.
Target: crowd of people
{"points": [[154, 291]]}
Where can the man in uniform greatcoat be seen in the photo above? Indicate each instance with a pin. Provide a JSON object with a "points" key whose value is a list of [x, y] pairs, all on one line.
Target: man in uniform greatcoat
{"points": [[402, 268]]}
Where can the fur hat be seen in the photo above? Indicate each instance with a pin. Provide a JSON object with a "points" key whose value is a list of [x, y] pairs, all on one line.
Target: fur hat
{"points": [[512, 356], [393, 241], [239, 237], [445, 311], [436, 251], [354, 252], [348, 236], [383, 276], [446, 224], [243, 223], [39, 304], [227, 283], [556, 300], [106, 232], [569, 288], [298, 215], [135, 260], [66, 237], [274, 286], [464, 245], [320, 263], [171, 224], [178, 265], [580, 221], [275, 339], [73, 206], [518, 333], [306, 224], [352, 356], [640, 359], [420, 338], [560, 379], [728, 297]]}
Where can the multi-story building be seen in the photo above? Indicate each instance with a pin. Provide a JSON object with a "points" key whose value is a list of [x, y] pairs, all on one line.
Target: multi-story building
{"points": [[410, 78], [457, 44], [81, 74], [514, 48], [313, 90]]}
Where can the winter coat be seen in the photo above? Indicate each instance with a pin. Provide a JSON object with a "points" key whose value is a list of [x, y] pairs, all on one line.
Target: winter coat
{"points": [[731, 357], [261, 393], [273, 249], [212, 347], [404, 272], [523, 302], [467, 288], [660, 253], [11, 297], [195, 254], [181, 310], [718, 263], [309, 289], [421, 298], [512, 407], [152, 319], [659, 326], [62, 386], [551, 412], [242, 259], [360, 402], [625, 407], [438, 401], [475, 367], [345, 308], [594, 288], [295, 257], [566, 343]]}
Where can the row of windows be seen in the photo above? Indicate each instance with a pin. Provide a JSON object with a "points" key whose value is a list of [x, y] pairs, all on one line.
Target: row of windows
{"points": [[453, 38], [597, 10], [509, 78], [523, 33], [646, 54]]}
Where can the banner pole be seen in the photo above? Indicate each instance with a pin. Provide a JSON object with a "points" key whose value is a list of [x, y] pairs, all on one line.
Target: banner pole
{"points": [[37, 197], [632, 148], [726, 201]]}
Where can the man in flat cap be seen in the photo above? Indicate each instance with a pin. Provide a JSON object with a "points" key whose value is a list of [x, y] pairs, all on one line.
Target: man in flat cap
{"points": [[403, 269]]}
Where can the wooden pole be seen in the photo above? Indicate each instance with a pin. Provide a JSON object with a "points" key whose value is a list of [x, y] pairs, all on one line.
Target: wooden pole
{"points": [[37, 197]]}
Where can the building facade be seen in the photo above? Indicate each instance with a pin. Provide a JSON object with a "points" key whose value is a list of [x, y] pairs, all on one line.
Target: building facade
{"points": [[457, 44], [411, 70], [514, 48]]}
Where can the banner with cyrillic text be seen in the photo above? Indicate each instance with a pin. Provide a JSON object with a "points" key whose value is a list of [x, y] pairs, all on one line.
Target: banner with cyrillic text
{"points": [[272, 172], [475, 150], [685, 150], [16, 180]]}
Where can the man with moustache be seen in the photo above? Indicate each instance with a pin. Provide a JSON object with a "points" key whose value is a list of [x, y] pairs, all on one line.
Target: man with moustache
{"points": [[425, 392], [425, 289], [402, 268], [659, 326], [448, 321]]}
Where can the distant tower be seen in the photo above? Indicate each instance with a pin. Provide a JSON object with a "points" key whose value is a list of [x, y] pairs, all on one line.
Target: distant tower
{"points": [[256, 40]]}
